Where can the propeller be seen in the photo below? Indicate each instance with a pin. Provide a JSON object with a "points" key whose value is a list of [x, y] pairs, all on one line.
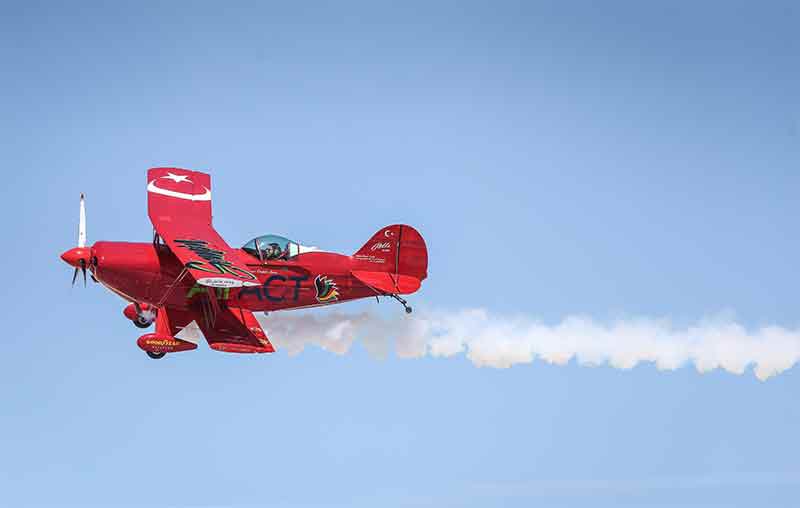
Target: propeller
{"points": [[82, 269], [81, 241], [78, 256], [82, 224]]}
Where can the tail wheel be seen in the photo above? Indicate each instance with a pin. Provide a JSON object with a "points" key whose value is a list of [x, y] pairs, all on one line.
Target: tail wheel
{"points": [[155, 356]]}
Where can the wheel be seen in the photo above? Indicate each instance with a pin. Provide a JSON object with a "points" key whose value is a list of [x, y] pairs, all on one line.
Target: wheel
{"points": [[142, 323], [155, 356], [408, 310]]}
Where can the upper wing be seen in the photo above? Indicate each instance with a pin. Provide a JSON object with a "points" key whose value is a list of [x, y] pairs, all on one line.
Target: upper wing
{"points": [[179, 206]]}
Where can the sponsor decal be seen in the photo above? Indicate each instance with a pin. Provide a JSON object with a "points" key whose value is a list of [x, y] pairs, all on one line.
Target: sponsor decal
{"points": [[326, 289], [370, 259], [268, 291], [222, 282], [214, 262], [381, 246], [155, 189], [161, 343]]}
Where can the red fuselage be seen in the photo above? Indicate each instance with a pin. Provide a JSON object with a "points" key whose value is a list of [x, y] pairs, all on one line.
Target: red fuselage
{"points": [[146, 272]]}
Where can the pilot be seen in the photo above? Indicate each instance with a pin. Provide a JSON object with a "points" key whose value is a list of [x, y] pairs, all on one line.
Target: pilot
{"points": [[273, 251]]}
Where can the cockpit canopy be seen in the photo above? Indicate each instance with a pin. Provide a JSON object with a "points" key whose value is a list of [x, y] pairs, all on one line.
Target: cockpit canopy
{"points": [[272, 247]]}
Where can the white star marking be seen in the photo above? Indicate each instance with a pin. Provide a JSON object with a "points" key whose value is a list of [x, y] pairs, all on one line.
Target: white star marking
{"points": [[177, 178]]}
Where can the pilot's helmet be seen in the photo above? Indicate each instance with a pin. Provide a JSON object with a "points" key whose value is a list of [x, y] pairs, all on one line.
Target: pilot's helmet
{"points": [[273, 251]]}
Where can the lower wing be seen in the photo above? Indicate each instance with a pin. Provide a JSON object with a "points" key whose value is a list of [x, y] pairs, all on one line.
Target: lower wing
{"points": [[234, 330]]}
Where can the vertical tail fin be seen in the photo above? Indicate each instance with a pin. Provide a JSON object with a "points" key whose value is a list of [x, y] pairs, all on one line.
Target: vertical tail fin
{"points": [[394, 260]]}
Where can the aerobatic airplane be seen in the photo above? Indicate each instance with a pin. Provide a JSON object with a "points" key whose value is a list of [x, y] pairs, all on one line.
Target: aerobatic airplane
{"points": [[189, 275]]}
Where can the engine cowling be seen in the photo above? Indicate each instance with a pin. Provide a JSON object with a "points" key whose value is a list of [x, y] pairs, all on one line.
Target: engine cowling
{"points": [[159, 343]]}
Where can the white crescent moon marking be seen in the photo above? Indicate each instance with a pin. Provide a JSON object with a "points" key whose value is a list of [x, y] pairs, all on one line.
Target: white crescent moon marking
{"points": [[388, 233], [151, 187]]}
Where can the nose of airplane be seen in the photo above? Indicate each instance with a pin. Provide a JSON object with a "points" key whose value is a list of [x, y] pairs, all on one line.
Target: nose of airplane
{"points": [[74, 256]]}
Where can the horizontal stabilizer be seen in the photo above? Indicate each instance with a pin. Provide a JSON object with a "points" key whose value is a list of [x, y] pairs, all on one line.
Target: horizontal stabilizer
{"points": [[388, 282]]}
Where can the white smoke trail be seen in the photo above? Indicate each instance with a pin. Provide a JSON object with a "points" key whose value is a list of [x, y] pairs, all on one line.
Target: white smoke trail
{"points": [[497, 341]]}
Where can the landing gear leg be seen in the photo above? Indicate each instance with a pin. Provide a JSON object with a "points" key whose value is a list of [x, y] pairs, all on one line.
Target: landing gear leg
{"points": [[402, 302], [155, 356]]}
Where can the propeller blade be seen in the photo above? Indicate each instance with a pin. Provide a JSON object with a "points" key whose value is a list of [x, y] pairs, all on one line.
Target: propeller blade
{"points": [[82, 224], [74, 275], [83, 269]]}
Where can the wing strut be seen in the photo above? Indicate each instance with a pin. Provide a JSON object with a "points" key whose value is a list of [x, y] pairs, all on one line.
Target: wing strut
{"points": [[172, 287], [210, 307]]}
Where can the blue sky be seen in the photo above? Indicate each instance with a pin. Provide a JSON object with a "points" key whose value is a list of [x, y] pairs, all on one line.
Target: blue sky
{"points": [[560, 158]]}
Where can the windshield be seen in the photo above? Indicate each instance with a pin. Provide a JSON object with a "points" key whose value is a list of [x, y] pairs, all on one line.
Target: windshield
{"points": [[271, 247]]}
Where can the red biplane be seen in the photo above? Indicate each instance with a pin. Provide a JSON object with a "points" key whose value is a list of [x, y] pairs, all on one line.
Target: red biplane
{"points": [[189, 276]]}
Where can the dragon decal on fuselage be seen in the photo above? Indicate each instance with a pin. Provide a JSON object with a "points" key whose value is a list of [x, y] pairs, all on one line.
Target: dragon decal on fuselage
{"points": [[215, 261]]}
